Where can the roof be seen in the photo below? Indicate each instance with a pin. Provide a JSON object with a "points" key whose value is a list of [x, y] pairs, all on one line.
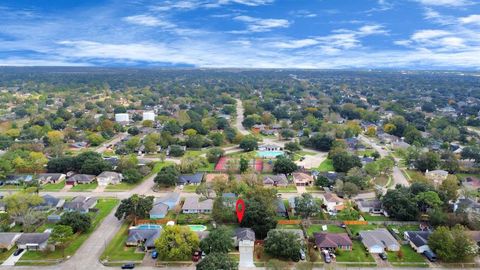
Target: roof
{"points": [[474, 235], [140, 235], [302, 178], [275, 179], [374, 203], [244, 234], [379, 237], [50, 176], [332, 197], [173, 197], [82, 178], [280, 206], [113, 175], [159, 209], [33, 238], [332, 240], [190, 178], [193, 203], [418, 238], [7, 238], [80, 203]]}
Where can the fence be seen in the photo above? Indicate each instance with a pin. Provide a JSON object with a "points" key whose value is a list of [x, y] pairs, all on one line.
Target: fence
{"points": [[289, 222], [152, 221]]}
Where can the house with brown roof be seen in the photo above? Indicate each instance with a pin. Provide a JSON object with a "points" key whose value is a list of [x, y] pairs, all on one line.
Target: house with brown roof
{"points": [[302, 179], [333, 241], [279, 180], [332, 202]]}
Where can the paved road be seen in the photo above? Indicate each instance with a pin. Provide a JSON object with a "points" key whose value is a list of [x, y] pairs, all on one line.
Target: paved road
{"points": [[102, 148], [239, 118]]}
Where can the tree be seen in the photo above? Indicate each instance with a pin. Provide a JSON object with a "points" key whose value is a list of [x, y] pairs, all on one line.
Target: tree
{"points": [[400, 204], [5, 168], [60, 235], [167, 176], [260, 214], [287, 134], [284, 165], [137, 206], [350, 189], [243, 164], [217, 261], [427, 161], [176, 243], [450, 187], [214, 154], [343, 161], [471, 152], [218, 241], [95, 139], [321, 142], [18, 204], [293, 146], [176, 151], [452, 245], [306, 205], [131, 176], [283, 245], [190, 164], [249, 143], [427, 200], [77, 221], [322, 181]]}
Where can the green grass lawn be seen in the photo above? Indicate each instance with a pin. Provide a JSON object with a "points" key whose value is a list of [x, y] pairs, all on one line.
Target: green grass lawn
{"points": [[326, 166], [314, 189], [104, 206], [357, 254], [330, 228], [193, 153], [370, 217], [289, 227], [409, 255], [53, 187], [84, 187], [116, 249], [402, 229], [11, 187], [306, 153], [355, 229], [127, 186], [189, 188], [287, 189], [6, 253], [209, 168]]}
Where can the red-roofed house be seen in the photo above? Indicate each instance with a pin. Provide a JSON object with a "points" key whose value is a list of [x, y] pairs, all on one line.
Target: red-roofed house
{"points": [[333, 241]]}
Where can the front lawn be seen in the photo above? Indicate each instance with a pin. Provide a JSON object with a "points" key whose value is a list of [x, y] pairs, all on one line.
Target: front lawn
{"points": [[408, 255], [104, 206], [84, 187], [330, 228], [116, 249], [287, 189], [357, 254], [326, 166], [54, 187]]}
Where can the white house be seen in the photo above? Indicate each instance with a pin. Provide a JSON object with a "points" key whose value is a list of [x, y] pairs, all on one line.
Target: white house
{"points": [[106, 178], [149, 115], [379, 240], [333, 202], [122, 117], [193, 205], [418, 240]]}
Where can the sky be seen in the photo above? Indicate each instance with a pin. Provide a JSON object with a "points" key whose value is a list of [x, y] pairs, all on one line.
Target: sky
{"points": [[323, 34]]}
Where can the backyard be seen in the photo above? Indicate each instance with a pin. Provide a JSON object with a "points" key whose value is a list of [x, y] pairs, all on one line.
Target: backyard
{"points": [[116, 249], [330, 228], [326, 166]]}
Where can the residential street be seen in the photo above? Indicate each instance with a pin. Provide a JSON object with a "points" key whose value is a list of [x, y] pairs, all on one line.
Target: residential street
{"points": [[239, 119]]}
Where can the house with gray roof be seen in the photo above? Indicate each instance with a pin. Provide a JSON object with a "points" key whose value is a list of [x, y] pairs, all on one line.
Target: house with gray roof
{"points": [[242, 234], [106, 178], [193, 205], [418, 240], [190, 179], [33, 241], [8, 240], [163, 204], [159, 210], [379, 240], [50, 202], [143, 237], [278, 180], [46, 178], [81, 204], [80, 179], [333, 241]]}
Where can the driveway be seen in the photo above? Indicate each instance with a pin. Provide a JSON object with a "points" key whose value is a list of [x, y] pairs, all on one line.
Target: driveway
{"points": [[380, 262], [10, 261]]}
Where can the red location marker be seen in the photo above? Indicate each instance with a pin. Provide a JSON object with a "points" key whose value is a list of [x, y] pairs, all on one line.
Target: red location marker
{"points": [[240, 208]]}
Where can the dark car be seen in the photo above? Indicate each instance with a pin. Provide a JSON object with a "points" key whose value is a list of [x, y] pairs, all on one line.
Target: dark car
{"points": [[154, 254], [18, 251], [128, 266], [196, 256], [430, 255], [383, 256]]}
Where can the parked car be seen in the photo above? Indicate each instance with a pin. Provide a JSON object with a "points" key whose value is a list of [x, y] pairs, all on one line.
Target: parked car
{"points": [[430, 255], [128, 266], [302, 255], [18, 252], [326, 256], [196, 256], [203, 255], [383, 256], [154, 254]]}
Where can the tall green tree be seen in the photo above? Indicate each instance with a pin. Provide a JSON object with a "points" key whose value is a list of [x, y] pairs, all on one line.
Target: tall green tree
{"points": [[60, 236], [306, 205], [77, 221], [176, 243], [452, 245], [137, 206], [283, 245], [218, 241], [217, 261]]}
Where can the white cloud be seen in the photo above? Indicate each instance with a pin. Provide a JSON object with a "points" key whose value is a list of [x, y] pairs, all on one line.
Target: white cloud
{"points": [[428, 34], [195, 4], [472, 19], [147, 20], [447, 3], [262, 25], [295, 44]]}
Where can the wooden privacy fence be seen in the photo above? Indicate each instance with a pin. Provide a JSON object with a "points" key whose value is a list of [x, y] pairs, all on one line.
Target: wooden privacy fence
{"points": [[153, 221], [289, 222], [355, 222]]}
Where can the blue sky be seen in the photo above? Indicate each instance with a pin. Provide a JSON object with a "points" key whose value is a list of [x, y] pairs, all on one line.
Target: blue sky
{"points": [[402, 34]]}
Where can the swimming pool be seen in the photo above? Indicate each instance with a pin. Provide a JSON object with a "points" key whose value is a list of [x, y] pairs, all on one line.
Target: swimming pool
{"points": [[148, 226], [269, 154], [197, 228]]}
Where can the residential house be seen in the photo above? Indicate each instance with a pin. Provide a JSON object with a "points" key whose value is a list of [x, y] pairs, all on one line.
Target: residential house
{"points": [[163, 204], [379, 240], [278, 180], [50, 202], [229, 200], [143, 238], [81, 204], [269, 147], [400, 145], [193, 205], [373, 206], [242, 234], [79, 145], [469, 205], [53, 218], [437, 176], [333, 241], [159, 210], [46, 178], [472, 183], [172, 199], [475, 236], [332, 202], [18, 179], [190, 179], [106, 178], [302, 179], [366, 160], [80, 179], [8, 240], [33, 241], [418, 240], [387, 138]]}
